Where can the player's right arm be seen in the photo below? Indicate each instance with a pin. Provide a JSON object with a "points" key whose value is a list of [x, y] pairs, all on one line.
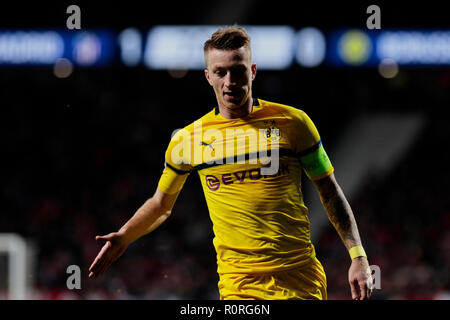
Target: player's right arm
{"points": [[155, 210], [147, 218]]}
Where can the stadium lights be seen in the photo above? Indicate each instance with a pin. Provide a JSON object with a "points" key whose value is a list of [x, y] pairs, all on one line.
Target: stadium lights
{"points": [[30, 47], [45, 47], [355, 47], [310, 47], [405, 47], [181, 47], [130, 41], [415, 47]]}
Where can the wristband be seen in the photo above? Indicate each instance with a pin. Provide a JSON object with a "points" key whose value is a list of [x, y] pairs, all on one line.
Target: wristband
{"points": [[357, 251]]}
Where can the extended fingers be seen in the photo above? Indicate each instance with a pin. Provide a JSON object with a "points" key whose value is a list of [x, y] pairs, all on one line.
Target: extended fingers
{"points": [[100, 263], [96, 266], [101, 267]]}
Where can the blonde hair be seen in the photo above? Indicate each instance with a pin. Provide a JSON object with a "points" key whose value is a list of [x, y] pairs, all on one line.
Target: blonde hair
{"points": [[229, 38]]}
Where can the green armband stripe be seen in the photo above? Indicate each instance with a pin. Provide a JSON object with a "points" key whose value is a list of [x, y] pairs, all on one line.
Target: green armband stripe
{"points": [[316, 163]]}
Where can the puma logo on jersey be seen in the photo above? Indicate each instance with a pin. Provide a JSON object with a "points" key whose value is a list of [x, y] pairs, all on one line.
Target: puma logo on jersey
{"points": [[208, 144]]}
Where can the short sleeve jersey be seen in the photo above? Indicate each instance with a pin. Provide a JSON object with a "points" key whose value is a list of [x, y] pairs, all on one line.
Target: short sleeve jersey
{"points": [[250, 170]]}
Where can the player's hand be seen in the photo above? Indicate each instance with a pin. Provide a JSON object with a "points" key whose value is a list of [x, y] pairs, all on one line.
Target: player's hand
{"points": [[114, 247], [360, 279]]}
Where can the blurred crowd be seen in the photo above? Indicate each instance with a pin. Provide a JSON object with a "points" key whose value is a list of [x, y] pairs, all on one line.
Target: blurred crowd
{"points": [[82, 154], [404, 222]]}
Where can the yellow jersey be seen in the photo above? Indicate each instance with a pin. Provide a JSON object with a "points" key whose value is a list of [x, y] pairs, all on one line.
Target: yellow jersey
{"points": [[260, 221]]}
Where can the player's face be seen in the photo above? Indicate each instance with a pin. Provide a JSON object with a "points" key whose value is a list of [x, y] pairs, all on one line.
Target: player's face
{"points": [[230, 73]]}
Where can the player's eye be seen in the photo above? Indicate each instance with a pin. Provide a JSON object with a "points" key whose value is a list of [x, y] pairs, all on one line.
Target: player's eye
{"points": [[220, 73], [239, 70]]}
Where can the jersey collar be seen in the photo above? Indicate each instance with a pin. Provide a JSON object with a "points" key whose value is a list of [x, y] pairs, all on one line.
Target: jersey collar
{"points": [[255, 103]]}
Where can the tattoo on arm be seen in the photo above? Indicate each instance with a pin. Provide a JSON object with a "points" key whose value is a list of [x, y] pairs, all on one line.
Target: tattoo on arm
{"points": [[340, 213]]}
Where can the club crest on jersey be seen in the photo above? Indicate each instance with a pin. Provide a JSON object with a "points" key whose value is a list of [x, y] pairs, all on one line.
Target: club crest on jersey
{"points": [[272, 132]]}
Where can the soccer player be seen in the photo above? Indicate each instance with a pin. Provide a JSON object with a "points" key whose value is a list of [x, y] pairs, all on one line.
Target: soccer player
{"points": [[249, 154]]}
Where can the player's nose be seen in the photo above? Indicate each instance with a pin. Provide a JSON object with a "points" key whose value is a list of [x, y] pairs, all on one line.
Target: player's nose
{"points": [[230, 82]]}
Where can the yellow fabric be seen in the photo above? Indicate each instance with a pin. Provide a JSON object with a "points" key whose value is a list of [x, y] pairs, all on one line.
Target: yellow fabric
{"points": [[260, 221], [307, 283], [171, 182], [357, 251]]}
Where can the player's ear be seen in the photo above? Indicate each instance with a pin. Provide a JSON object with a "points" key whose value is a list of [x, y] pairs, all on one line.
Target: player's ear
{"points": [[207, 77], [253, 71]]}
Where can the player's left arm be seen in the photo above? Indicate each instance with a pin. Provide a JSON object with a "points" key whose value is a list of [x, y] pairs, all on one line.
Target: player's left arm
{"points": [[341, 216], [318, 168]]}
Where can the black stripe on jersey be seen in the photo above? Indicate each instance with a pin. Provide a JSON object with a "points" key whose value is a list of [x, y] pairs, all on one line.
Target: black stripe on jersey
{"points": [[216, 109], [309, 150], [248, 156], [177, 170]]}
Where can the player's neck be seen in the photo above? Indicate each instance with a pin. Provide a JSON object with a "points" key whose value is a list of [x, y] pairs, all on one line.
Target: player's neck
{"points": [[235, 113]]}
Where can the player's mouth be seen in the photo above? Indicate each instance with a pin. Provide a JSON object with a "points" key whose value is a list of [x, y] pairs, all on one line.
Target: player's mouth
{"points": [[232, 95]]}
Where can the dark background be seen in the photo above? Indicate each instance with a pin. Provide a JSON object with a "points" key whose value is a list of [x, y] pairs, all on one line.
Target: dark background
{"points": [[81, 154]]}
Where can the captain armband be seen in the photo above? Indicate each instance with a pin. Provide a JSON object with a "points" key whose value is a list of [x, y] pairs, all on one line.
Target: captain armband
{"points": [[315, 162]]}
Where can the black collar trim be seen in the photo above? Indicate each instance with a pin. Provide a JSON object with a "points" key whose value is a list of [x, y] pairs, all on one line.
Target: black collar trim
{"points": [[255, 103]]}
